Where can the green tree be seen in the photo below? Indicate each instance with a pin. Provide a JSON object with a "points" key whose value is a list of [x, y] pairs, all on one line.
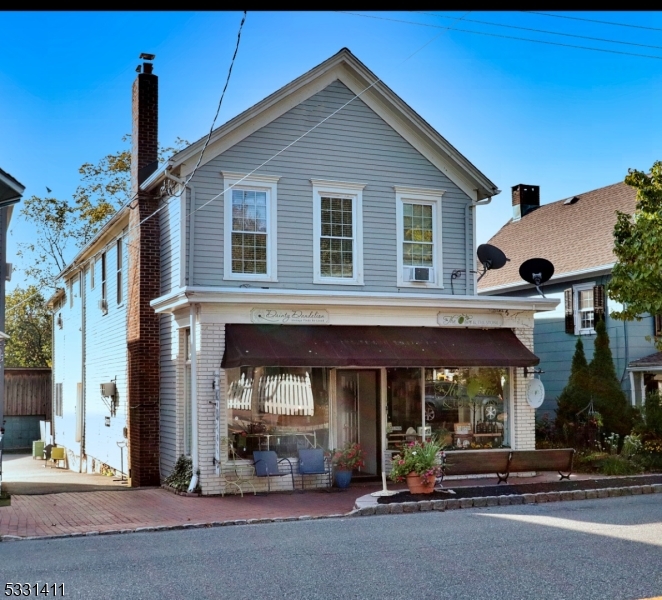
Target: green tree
{"points": [[637, 275], [28, 325], [46, 252], [62, 225], [608, 397], [576, 395]]}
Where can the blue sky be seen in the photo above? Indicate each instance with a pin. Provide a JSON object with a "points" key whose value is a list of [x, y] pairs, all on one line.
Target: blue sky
{"points": [[567, 119]]}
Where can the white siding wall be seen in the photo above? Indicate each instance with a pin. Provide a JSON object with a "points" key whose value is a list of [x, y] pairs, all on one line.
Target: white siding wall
{"points": [[106, 352], [67, 370]]}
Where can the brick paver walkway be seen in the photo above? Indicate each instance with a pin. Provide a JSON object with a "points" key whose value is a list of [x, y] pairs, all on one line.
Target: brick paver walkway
{"points": [[52, 514]]}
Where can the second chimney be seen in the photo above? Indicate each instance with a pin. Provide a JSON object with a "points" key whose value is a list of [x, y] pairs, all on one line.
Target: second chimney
{"points": [[526, 198]]}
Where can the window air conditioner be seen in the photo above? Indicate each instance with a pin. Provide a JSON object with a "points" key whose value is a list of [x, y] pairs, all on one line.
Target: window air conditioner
{"points": [[108, 389], [423, 274]]}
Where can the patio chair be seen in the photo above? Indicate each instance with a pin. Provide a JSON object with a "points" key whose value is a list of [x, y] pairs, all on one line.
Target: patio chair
{"points": [[266, 465], [57, 455], [313, 462]]}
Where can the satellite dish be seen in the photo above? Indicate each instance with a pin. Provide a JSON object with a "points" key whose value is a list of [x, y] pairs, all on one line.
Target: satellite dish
{"points": [[491, 258], [536, 271]]}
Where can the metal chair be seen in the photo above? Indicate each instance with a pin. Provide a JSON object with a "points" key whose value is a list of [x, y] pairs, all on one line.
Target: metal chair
{"points": [[235, 473], [266, 465], [313, 462]]}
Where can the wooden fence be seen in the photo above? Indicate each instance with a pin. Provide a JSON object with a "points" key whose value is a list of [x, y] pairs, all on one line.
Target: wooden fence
{"points": [[28, 392]]}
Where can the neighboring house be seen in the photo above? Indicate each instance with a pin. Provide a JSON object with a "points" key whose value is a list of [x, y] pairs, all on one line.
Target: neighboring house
{"points": [[576, 235], [324, 297], [11, 192]]}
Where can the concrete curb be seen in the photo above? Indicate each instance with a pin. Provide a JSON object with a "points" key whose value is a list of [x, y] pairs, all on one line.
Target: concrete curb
{"points": [[510, 500], [379, 509]]}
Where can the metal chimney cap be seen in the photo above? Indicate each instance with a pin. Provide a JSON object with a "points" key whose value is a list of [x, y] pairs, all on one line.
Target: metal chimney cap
{"points": [[147, 56]]}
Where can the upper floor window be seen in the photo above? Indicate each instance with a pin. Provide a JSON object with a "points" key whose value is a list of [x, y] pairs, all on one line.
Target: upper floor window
{"points": [[250, 227], [338, 232], [584, 306], [418, 222]]}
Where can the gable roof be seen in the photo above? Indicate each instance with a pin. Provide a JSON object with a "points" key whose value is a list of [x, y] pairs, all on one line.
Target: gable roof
{"points": [[577, 237], [343, 66]]}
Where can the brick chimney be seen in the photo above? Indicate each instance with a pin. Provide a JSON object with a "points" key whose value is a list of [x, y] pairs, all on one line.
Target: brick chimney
{"points": [[526, 198], [144, 285]]}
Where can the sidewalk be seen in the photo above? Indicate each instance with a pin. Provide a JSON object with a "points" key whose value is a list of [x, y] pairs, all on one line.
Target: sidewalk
{"points": [[104, 511], [21, 474]]}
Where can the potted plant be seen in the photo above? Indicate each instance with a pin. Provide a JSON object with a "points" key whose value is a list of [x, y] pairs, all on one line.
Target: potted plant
{"points": [[419, 464], [346, 460]]}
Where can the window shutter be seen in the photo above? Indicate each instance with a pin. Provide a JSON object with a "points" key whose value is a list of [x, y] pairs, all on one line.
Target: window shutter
{"points": [[598, 303], [569, 312], [657, 320]]}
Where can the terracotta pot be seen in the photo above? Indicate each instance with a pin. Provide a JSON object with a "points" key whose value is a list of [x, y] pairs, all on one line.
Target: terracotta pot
{"points": [[416, 485]]}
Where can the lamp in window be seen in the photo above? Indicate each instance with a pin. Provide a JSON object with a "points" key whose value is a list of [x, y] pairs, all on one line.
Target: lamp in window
{"points": [[59, 320]]}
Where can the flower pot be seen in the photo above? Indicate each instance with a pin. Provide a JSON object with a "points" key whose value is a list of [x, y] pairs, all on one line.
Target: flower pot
{"points": [[416, 485], [342, 478]]}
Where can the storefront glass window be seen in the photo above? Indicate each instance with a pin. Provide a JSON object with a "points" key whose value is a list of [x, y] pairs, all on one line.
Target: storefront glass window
{"points": [[280, 409], [403, 409], [468, 408]]}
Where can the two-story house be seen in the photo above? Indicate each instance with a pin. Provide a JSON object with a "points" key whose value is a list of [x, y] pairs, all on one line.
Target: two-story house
{"points": [[308, 281], [576, 235]]}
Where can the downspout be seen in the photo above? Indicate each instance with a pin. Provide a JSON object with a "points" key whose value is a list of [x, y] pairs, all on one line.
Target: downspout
{"points": [[471, 260], [194, 400], [83, 300]]}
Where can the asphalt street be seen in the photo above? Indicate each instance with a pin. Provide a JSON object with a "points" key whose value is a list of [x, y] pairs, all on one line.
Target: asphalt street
{"points": [[589, 549]]}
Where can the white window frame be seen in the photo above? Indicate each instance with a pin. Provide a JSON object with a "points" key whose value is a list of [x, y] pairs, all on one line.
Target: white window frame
{"points": [[339, 189], [582, 287], [412, 195], [261, 183]]}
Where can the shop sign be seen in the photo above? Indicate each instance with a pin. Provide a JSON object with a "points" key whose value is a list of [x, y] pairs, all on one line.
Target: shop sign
{"points": [[286, 316], [470, 319]]}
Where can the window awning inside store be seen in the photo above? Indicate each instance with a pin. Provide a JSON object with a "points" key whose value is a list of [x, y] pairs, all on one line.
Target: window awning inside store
{"points": [[371, 346]]}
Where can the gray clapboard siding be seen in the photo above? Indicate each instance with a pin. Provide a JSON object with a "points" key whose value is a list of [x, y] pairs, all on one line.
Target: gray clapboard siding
{"points": [[353, 145], [168, 393]]}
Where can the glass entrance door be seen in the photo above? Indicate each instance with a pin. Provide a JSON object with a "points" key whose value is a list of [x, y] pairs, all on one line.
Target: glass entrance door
{"points": [[357, 412]]}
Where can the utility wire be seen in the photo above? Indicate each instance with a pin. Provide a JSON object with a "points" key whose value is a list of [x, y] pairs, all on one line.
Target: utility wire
{"points": [[546, 31], [533, 12], [508, 37]]}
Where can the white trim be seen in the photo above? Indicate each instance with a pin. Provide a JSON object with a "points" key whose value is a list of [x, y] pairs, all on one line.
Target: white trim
{"points": [[223, 295], [419, 192], [420, 196], [581, 287], [264, 183], [254, 177], [342, 189]]}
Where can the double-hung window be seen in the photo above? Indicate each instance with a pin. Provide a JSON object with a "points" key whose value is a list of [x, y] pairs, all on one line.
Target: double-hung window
{"points": [[338, 232], [584, 307], [250, 227], [418, 222]]}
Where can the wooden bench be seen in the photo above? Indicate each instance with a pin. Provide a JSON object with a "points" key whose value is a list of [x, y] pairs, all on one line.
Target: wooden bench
{"points": [[505, 462]]}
